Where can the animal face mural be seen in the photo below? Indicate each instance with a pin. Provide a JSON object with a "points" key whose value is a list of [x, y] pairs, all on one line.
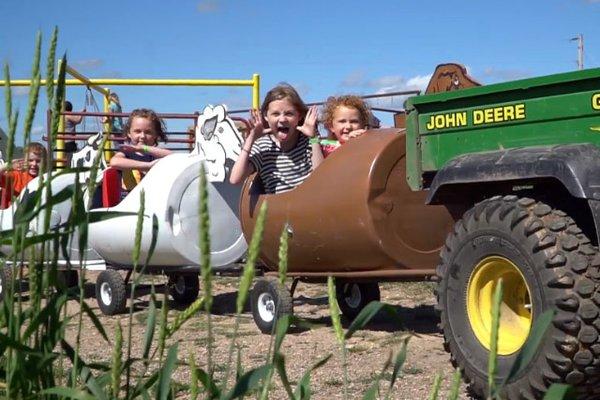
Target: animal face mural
{"points": [[85, 157], [218, 141], [448, 77]]}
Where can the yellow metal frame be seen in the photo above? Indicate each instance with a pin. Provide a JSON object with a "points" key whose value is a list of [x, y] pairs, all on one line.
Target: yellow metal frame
{"points": [[96, 84]]}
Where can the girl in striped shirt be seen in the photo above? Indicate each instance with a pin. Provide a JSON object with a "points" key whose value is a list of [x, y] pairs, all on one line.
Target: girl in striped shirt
{"points": [[282, 145]]}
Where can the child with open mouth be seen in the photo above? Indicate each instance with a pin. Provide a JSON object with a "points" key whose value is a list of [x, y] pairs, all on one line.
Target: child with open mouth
{"points": [[279, 144]]}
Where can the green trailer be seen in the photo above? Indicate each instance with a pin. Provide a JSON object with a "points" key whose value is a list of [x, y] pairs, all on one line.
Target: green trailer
{"points": [[518, 166]]}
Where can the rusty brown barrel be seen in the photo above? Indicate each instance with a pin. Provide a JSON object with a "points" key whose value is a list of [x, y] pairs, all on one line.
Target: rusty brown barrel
{"points": [[354, 216]]}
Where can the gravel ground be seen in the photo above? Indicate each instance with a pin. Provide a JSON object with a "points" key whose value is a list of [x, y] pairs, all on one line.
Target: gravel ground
{"points": [[367, 350]]}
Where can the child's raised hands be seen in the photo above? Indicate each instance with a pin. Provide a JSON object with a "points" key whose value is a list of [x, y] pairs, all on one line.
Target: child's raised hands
{"points": [[309, 128], [257, 125], [18, 164]]}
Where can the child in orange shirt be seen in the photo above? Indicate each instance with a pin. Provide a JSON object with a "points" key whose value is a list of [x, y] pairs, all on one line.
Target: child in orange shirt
{"points": [[344, 117], [23, 170]]}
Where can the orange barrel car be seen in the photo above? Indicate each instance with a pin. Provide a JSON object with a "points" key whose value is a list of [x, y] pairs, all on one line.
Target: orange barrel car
{"points": [[354, 218]]}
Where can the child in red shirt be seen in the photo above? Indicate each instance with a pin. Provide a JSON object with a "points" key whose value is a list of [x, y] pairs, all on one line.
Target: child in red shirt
{"points": [[23, 170], [344, 117]]}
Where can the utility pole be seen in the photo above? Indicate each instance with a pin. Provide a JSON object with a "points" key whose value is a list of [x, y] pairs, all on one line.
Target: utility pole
{"points": [[579, 39]]}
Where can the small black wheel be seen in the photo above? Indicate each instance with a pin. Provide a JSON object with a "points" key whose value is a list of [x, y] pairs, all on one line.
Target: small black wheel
{"points": [[110, 292], [67, 279], [184, 288], [352, 297], [270, 300]]}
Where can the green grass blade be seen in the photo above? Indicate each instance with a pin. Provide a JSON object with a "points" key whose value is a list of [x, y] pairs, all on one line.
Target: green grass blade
{"points": [[248, 382], [399, 361], [51, 61], [334, 310], [68, 393], [283, 255], [435, 389], [84, 372], [164, 388], [34, 90], [303, 391], [455, 388], [253, 252], [367, 313], [94, 318], [530, 347], [279, 363], [117, 362], [559, 391], [150, 323], [209, 384], [493, 358]]}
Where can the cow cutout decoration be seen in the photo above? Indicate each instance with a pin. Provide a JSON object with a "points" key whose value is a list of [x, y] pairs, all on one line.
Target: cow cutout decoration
{"points": [[218, 141], [85, 157]]}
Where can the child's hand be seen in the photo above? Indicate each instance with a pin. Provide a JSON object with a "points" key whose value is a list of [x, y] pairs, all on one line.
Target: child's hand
{"points": [[309, 128], [18, 164], [128, 148], [356, 133], [257, 127]]}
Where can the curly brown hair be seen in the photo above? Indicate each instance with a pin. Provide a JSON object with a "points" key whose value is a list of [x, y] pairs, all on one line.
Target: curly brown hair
{"points": [[158, 124], [350, 101]]}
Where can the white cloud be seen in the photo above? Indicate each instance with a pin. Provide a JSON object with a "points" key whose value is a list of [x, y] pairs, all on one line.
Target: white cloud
{"points": [[208, 6], [38, 130], [418, 82]]}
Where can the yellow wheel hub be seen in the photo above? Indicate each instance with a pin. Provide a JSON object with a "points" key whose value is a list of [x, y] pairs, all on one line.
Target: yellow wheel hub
{"points": [[516, 314]]}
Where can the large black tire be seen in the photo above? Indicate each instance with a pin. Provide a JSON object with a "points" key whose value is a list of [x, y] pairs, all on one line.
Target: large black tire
{"points": [[553, 258], [184, 288], [352, 297], [111, 292], [270, 301]]}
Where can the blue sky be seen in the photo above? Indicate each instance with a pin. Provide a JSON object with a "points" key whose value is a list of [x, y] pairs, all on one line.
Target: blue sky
{"points": [[321, 47]]}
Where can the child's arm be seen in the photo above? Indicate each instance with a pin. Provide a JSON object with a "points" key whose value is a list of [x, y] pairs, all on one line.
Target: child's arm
{"points": [[154, 151], [119, 161], [309, 128], [243, 167]]}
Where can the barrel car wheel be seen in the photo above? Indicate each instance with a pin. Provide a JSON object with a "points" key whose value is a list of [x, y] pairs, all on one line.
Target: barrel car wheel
{"points": [[545, 262], [111, 292], [270, 300], [184, 288], [352, 297]]}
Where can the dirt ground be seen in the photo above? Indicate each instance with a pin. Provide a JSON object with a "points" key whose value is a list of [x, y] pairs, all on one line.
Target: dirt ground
{"points": [[367, 350]]}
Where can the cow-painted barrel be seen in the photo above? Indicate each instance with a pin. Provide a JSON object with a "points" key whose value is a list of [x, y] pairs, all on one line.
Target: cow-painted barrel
{"points": [[172, 195], [353, 216]]}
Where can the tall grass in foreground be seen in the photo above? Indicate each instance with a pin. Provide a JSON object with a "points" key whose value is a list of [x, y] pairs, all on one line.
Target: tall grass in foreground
{"points": [[38, 361]]}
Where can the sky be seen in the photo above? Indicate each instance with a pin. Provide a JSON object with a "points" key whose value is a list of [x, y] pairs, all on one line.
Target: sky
{"points": [[322, 48]]}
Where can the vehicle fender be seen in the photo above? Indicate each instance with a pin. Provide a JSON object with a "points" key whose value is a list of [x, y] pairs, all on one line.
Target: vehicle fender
{"points": [[576, 166]]}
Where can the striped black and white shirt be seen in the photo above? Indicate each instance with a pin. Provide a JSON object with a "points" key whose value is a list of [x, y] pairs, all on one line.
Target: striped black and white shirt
{"points": [[281, 170]]}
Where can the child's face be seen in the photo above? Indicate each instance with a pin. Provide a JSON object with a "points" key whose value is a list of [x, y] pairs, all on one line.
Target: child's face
{"points": [[142, 132], [345, 120], [33, 163], [283, 118]]}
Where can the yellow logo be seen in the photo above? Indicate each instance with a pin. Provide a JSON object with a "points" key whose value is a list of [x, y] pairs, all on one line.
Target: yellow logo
{"points": [[596, 101]]}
